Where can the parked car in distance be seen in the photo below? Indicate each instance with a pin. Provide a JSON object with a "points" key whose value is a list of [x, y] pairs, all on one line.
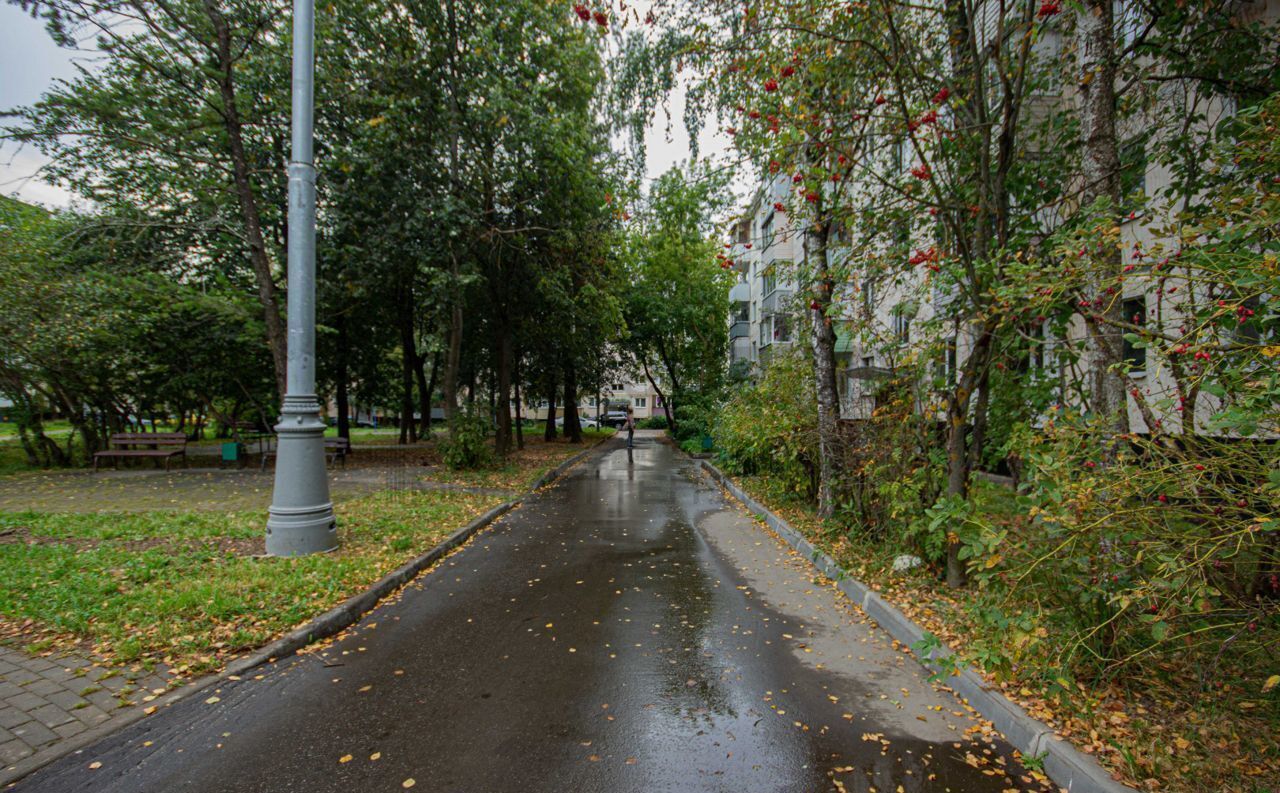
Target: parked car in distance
{"points": [[615, 418], [584, 421]]}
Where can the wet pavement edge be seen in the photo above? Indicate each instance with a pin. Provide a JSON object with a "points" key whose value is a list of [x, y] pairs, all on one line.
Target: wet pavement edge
{"points": [[1067, 766]]}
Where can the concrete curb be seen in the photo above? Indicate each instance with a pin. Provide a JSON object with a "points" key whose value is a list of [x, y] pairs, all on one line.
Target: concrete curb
{"points": [[337, 619], [1063, 763]]}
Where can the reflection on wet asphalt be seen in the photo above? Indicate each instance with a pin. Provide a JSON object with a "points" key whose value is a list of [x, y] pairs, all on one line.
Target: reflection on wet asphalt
{"points": [[624, 630]]}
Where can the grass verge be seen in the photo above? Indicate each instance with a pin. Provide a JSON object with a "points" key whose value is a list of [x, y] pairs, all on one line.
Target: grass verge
{"points": [[191, 590], [522, 467]]}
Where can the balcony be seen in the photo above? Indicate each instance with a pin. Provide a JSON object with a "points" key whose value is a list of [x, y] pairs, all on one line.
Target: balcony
{"points": [[943, 296], [740, 330], [775, 301], [740, 293], [774, 329]]}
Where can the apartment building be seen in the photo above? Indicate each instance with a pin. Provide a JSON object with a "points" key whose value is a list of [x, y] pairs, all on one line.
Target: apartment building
{"points": [[889, 313], [763, 250], [626, 391]]}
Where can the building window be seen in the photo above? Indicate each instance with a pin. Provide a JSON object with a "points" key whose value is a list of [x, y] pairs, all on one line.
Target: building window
{"points": [[902, 326], [1133, 169], [781, 329], [1135, 357], [947, 363], [1129, 22], [766, 231], [868, 297], [769, 281], [617, 386], [640, 401], [868, 361]]}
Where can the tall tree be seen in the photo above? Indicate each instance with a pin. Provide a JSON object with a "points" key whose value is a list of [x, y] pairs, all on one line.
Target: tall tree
{"points": [[164, 123]]}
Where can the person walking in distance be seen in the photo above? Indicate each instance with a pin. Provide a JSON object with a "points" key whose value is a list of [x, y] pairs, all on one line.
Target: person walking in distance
{"points": [[631, 428]]}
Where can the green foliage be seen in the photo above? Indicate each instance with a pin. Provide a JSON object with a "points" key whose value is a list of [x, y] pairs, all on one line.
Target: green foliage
{"points": [[463, 176], [770, 427], [468, 446], [1165, 542], [92, 335], [676, 296], [657, 422]]}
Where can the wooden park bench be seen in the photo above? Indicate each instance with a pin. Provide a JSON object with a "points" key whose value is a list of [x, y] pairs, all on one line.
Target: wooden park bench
{"points": [[166, 445], [247, 432], [335, 449]]}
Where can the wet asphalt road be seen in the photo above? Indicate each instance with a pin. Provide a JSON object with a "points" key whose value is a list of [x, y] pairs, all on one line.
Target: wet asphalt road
{"points": [[624, 630]]}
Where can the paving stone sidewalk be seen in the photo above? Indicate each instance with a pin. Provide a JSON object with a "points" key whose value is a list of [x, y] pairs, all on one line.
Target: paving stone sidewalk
{"points": [[47, 701]]}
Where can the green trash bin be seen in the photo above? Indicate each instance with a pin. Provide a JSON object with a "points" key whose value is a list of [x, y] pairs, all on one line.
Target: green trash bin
{"points": [[233, 452], [706, 443]]}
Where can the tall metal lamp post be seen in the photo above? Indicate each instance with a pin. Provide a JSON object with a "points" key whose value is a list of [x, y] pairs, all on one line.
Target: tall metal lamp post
{"points": [[301, 516]]}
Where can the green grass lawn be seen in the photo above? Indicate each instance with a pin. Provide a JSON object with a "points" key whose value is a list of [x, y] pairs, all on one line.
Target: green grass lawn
{"points": [[191, 589], [524, 467], [54, 429]]}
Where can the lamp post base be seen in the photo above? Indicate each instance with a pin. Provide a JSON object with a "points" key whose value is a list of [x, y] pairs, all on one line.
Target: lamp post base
{"points": [[301, 518]]}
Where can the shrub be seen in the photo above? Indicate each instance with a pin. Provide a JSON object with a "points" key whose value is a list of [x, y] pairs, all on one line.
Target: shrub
{"points": [[1164, 543], [467, 446], [658, 422], [771, 427], [694, 414]]}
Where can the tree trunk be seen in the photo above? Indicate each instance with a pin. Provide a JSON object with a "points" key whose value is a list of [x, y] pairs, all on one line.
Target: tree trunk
{"points": [[408, 366], [424, 397], [502, 390], [957, 437], [408, 433], [978, 434], [666, 403], [670, 366], [824, 365], [428, 391], [453, 359], [572, 427], [516, 400], [1100, 172], [248, 202], [549, 433], [342, 376]]}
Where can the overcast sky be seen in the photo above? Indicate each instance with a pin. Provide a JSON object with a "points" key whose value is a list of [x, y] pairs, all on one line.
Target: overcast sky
{"points": [[30, 62]]}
